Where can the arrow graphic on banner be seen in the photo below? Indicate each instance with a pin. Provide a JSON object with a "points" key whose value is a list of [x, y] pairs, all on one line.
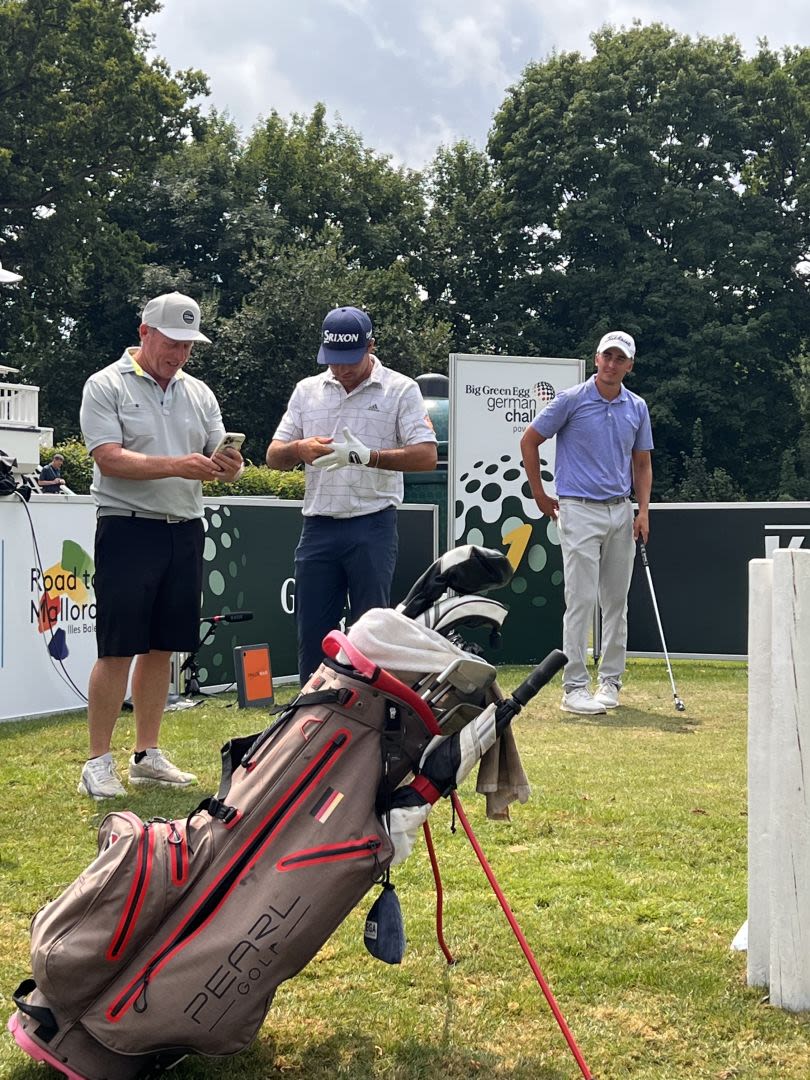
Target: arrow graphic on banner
{"points": [[518, 540]]}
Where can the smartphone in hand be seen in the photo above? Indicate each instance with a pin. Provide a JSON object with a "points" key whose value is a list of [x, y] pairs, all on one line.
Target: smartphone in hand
{"points": [[230, 440]]}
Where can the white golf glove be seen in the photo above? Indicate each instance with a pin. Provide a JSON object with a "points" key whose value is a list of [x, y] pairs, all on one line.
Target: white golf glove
{"points": [[350, 452]]}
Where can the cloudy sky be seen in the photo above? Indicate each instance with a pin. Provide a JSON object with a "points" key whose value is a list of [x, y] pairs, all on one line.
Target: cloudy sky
{"points": [[409, 75]]}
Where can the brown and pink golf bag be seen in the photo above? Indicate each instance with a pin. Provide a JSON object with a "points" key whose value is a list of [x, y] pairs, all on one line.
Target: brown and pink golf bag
{"points": [[175, 938]]}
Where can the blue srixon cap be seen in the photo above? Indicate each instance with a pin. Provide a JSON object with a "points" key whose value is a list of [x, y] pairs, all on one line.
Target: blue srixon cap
{"points": [[345, 336]]}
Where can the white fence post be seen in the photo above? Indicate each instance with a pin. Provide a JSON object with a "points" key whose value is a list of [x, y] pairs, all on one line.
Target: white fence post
{"points": [[789, 827], [760, 585]]}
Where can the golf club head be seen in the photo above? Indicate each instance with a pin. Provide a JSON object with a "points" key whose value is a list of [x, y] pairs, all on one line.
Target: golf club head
{"points": [[679, 705]]}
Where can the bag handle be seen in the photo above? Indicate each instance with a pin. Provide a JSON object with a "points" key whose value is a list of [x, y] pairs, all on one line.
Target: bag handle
{"points": [[48, 1026], [383, 680]]}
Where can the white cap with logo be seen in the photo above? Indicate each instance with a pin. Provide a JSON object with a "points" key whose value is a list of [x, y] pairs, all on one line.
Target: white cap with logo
{"points": [[618, 339], [176, 316]]}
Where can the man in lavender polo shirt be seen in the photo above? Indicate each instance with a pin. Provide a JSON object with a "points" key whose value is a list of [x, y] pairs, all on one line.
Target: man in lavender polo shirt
{"points": [[603, 451]]}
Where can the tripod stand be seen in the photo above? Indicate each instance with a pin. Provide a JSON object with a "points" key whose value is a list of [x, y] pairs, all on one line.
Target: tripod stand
{"points": [[190, 667]]}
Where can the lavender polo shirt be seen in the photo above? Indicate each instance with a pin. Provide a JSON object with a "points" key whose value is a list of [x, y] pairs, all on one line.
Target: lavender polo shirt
{"points": [[595, 440]]}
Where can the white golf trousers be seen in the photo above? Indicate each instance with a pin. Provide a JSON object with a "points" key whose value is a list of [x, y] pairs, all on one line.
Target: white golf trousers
{"points": [[598, 551]]}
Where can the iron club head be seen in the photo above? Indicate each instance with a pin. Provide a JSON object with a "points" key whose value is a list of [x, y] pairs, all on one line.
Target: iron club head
{"points": [[679, 705]]}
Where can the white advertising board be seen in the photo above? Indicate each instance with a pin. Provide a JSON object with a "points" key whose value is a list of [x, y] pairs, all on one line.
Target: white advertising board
{"points": [[47, 604], [493, 399]]}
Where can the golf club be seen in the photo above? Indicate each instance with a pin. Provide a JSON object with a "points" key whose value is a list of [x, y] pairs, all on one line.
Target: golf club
{"points": [[679, 705]]}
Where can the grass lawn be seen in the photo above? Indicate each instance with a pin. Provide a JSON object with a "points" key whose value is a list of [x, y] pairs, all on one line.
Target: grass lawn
{"points": [[626, 871]]}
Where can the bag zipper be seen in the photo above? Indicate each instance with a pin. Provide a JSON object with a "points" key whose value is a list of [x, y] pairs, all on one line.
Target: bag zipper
{"points": [[137, 893], [334, 853], [178, 854], [237, 868]]}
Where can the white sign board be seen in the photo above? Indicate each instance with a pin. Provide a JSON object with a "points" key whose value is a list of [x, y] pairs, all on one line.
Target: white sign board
{"points": [[493, 399], [47, 604]]}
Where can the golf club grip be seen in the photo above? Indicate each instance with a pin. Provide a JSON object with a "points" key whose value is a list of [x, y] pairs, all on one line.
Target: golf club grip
{"points": [[543, 673]]}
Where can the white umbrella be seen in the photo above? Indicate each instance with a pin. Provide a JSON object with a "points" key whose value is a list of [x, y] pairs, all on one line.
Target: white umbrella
{"points": [[7, 277]]}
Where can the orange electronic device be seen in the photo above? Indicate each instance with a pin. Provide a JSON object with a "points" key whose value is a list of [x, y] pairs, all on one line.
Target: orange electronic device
{"points": [[254, 676]]}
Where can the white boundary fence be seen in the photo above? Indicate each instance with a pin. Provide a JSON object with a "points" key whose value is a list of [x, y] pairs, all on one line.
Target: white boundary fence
{"points": [[779, 777]]}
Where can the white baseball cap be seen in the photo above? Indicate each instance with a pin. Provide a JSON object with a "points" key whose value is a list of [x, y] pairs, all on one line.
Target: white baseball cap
{"points": [[8, 277], [618, 339], [176, 316]]}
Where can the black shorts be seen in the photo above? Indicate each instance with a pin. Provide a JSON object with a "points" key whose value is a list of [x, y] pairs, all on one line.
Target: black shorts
{"points": [[148, 584]]}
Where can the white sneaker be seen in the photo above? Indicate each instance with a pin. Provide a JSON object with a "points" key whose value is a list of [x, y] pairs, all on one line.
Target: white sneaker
{"points": [[580, 700], [607, 694], [100, 780], [156, 768]]}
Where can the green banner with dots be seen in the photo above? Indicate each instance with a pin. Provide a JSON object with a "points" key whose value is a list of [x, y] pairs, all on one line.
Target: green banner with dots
{"points": [[248, 565]]}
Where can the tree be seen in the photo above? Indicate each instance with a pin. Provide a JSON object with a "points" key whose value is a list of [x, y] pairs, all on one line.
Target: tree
{"points": [[272, 340], [81, 108], [312, 178], [701, 483], [634, 194], [460, 264]]}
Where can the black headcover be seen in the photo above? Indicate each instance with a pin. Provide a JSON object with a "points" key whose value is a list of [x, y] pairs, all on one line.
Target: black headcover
{"points": [[467, 569]]}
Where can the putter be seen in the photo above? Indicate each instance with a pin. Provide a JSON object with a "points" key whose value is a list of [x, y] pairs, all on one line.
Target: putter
{"points": [[679, 705]]}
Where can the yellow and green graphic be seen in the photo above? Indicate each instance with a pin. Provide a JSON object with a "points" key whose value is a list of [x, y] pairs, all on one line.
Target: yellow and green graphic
{"points": [[64, 593]]}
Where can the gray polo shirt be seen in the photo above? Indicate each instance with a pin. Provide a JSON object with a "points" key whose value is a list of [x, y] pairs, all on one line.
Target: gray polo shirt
{"points": [[124, 405]]}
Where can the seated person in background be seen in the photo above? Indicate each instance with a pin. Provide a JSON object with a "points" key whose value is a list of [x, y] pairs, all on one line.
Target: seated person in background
{"points": [[50, 476]]}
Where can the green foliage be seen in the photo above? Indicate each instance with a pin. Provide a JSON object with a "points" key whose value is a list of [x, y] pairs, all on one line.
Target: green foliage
{"points": [[644, 188], [77, 469], [461, 256], [661, 185], [700, 483], [81, 109], [312, 178], [259, 480]]}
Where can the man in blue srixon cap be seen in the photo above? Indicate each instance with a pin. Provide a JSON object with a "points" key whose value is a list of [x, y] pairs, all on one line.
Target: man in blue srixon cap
{"points": [[357, 426]]}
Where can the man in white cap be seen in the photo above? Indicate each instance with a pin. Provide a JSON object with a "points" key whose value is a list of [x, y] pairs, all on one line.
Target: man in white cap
{"points": [[151, 429], [604, 441], [357, 426]]}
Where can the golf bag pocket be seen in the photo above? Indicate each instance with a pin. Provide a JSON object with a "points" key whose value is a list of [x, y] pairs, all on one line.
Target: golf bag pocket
{"points": [[80, 939], [364, 848]]}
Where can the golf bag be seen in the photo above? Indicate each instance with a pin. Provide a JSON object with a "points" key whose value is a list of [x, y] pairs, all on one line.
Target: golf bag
{"points": [[174, 940]]}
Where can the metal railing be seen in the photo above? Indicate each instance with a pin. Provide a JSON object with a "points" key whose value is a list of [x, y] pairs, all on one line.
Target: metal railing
{"points": [[19, 405]]}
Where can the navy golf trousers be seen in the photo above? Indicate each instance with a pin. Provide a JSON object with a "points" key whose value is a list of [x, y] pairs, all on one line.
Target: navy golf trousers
{"points": [[340, 561]]}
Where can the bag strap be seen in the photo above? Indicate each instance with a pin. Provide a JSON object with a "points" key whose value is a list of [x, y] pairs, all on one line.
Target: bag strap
{"points": [[48, 1026], [217, 809], [317, 697]]}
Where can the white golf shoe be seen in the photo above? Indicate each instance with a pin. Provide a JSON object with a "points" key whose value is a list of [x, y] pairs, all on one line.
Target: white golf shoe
{"points": [[155, 768], [607, 693], [100, 780], [581, 701]]}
